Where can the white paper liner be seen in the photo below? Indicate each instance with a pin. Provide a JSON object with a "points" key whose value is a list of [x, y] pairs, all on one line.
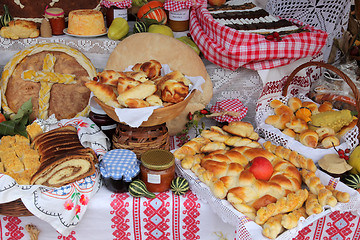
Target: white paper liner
{"points": [[136, 116], [248, 229]]}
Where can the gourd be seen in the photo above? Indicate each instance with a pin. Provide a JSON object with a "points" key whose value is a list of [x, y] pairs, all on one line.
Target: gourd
{"points": [[353, 181], [332, 119], [118, 29], [6, 17], [140, 27], [153, 10], [303, 113], [137, 188], [179, 186]]}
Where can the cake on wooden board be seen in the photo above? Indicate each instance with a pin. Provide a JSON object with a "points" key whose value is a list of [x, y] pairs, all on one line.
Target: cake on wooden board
{"points": [[34, 10]]}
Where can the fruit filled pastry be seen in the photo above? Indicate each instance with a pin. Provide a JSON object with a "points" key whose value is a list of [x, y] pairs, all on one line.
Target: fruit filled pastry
{"points": [[312, 125], [262, 182]]}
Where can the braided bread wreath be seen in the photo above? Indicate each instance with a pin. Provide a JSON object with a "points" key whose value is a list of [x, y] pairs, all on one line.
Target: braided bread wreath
{"points": [[53, 76], [220, 158]]}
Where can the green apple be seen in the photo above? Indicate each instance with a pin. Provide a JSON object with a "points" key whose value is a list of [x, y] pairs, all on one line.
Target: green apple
{"points": [[162, 29], [188, 41]]}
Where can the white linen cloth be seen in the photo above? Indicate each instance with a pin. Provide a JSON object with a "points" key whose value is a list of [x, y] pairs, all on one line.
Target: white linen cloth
{"points": [[62, 207]]}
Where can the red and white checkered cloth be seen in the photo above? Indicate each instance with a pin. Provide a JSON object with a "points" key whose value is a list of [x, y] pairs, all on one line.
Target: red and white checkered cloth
{"points": [[174, 6], [122, 4], [230, 105], [232, 49]]}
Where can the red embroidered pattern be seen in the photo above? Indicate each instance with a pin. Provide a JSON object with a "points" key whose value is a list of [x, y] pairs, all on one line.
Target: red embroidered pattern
{"points": [[192, 212], [121, 224], [69, 237], [157, 223], [15, 231]]}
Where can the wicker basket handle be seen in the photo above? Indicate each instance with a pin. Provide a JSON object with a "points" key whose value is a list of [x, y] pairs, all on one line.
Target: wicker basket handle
{"points": [[335, 70]]}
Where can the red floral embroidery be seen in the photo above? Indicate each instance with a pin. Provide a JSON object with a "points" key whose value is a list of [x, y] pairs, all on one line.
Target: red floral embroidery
{"points": [[68, 204], [77, 209], [84, 199]]}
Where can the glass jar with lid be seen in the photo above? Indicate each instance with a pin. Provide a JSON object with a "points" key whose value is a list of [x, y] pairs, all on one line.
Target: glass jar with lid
{"points": [[119, 167], [179, 14], [56, 19], [102, 120], [157, 169], [115, 9]]}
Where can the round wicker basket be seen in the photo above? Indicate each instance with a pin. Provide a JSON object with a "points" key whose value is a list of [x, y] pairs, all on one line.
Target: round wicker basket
{"points": [[15, 208], [141, 139], [159, 116]]}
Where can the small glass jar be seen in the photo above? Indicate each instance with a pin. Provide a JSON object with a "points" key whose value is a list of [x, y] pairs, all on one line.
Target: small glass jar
{"points": [[157, 169], [56, 19], [115, 12], [179, 20], [119, 167], [102, 120]]}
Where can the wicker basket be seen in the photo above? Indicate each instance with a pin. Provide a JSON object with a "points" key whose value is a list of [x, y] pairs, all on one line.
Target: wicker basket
{"points": [[270, 133], [141, 139], [159, 116], [335, 70], [15, 208]]}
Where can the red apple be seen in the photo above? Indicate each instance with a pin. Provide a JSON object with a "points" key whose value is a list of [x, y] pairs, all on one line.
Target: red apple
{"points": [[261, 168], [216, 2]]}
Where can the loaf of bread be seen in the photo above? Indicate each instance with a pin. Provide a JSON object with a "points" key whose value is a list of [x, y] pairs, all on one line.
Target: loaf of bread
{"points": [[20, 29], [291, 219], [272, 227], [294, 103]]}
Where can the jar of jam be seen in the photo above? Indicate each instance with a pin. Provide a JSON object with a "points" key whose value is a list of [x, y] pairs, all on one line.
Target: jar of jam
{"points": [[115, 9], [179, 20], [157, 169], [102, 120], [119, 167], [56, 19]]}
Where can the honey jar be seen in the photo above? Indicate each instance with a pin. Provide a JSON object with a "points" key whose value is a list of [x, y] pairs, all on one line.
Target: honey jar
{"points": [[56, 19], [157, 169], [179, 20]]}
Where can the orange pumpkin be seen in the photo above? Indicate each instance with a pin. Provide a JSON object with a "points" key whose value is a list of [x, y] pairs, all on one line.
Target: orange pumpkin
{"points": [[153, 10]]}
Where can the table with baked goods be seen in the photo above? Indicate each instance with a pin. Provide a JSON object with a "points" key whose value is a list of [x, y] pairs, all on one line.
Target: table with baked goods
{"points": [[195, 215], [191, 216]]}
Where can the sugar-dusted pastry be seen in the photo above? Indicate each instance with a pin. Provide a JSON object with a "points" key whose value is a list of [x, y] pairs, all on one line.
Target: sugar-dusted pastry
{"points": [[140, 91]]}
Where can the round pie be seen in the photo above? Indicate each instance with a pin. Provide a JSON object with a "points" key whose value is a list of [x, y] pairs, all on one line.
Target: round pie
{"points": [[52, 75]]}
